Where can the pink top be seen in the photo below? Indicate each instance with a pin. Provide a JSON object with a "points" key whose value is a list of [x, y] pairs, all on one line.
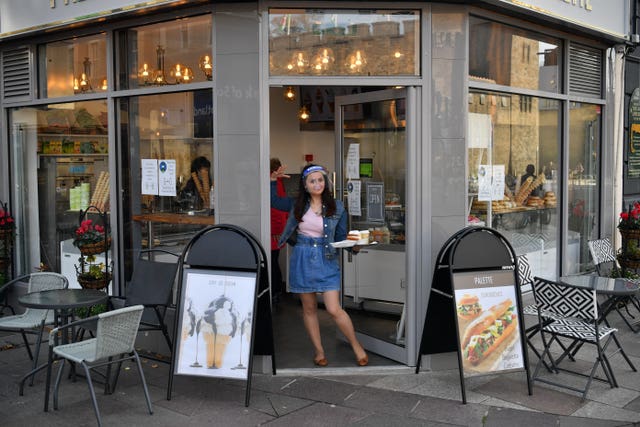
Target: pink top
{"points": [[311, 225]]}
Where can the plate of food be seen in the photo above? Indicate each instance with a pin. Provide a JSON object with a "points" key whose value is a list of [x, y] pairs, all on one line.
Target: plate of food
{"points": [[354, 237]]}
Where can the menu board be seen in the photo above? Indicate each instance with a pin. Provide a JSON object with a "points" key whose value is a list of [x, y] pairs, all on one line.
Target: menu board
{"points": [[487, 317], [633, 165]]}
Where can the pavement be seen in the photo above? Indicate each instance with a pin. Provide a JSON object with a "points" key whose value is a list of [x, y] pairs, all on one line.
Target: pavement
{"points": [[370, 396]]}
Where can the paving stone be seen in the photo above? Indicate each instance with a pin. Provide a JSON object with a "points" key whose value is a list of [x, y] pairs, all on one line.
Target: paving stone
{"points": [[382, 401], [606, 412], [320, 415], [498, 417]]}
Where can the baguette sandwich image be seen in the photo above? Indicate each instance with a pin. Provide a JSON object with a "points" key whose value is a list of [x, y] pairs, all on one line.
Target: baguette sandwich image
{"points": [[488, 331], [468, 307]]}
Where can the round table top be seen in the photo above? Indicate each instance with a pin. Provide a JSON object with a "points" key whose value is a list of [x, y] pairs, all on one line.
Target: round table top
{"points": [[59, 299], [604, 285]]}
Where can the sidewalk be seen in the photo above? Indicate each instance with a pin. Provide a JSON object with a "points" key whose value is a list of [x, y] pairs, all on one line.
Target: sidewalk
{"points": [[370, 396]]}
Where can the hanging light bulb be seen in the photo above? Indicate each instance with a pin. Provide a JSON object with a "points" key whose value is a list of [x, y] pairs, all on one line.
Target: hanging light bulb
{"points": [[206, 66], [356, 62], [397, 54], [145, 73], [290, 94], [303, 114], [181, 74], [104, 85], [323, 60], [299, 62]]}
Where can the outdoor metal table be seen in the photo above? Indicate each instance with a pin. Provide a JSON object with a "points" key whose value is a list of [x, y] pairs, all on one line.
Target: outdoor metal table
{"points": [[63, 302], [614, 289]]}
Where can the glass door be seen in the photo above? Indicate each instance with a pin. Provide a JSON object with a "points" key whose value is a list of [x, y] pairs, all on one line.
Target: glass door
{"points": [[371, 161]]}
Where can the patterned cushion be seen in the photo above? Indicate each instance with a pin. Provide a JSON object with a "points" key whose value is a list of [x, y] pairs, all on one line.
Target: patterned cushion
{"points": [[601, 251], [576, 328], [532, 310], [524, 270], [564, 300]]}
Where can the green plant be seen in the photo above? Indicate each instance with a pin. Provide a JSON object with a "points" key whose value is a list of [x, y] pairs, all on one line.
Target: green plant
{"points": [[83, 312]]}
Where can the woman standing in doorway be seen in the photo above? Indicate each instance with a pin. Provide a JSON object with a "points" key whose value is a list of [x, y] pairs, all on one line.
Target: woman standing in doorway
{"points": [[316, 220]]}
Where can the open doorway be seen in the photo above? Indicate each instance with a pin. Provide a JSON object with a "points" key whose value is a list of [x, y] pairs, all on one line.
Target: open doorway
{"points": [[296, 142]]}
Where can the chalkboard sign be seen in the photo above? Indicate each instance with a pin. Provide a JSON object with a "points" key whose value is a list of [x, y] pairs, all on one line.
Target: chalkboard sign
{"points": [[487, 317], [375, 201]]}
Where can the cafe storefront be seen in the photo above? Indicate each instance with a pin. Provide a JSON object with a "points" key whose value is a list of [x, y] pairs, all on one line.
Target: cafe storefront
{"points": [[433, 117]]}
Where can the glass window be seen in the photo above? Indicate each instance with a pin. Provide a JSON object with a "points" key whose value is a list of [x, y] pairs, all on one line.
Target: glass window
{"points": [[513, 152], [61, 154], [513, 57], [74, 66], [173, 52], [583, 189], [344, 42], [167, 146]]}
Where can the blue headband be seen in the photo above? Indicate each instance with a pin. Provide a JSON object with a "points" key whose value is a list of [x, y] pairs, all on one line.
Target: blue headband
{"points": [[313, 169]]}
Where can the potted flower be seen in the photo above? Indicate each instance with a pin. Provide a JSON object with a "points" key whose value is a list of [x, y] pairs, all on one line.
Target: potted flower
{"points": [[629, 226], [91, 238], [6, 221], [92, 275]]}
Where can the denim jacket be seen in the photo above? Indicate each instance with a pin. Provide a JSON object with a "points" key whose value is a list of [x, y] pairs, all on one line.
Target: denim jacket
{"points": [[335, 226]]}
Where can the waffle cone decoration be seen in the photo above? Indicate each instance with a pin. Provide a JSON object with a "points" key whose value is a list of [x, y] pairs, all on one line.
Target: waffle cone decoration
{"points": [[204, 194], [523, 192]]}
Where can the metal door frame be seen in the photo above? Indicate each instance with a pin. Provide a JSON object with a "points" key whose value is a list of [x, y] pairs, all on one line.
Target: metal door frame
{"points": [[407, 353]]}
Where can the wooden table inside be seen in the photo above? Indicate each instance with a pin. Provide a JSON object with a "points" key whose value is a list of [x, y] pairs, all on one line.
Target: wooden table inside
{"points": [[171, 218], [175, 218]]}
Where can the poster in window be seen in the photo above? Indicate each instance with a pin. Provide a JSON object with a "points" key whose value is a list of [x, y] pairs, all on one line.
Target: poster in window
{"points": [[216, 313]]}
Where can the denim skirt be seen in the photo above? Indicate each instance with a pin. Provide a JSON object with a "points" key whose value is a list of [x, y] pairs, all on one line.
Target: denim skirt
{"points": [[310, 270]]}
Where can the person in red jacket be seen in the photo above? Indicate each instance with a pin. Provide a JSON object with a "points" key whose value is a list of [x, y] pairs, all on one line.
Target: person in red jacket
{"points": [[278, 221]]}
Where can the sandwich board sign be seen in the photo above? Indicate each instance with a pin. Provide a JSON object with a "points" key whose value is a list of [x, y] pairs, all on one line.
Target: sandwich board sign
{"points": [[474, 306]]}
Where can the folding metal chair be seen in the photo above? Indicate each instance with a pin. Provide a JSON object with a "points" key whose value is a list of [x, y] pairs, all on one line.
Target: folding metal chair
{"points": [[577, 312], [114, 343], [604, 259], [525, 277]]}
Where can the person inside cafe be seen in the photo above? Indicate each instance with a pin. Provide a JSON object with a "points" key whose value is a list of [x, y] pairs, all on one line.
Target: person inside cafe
{"points": [[278, 221], [197, 188]]}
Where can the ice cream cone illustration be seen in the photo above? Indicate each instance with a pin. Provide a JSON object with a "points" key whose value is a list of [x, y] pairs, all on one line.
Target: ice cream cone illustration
{"points": [[221, 324]]}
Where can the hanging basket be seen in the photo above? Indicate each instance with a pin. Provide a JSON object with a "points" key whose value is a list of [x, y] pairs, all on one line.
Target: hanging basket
{"points": [[630, 234], [5, 232], [95, 248], [89, 282], [625, 262]]}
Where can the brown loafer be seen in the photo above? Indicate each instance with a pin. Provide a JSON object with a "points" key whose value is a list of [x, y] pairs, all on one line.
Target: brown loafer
{"points": [[364, 361], [321, 362]]}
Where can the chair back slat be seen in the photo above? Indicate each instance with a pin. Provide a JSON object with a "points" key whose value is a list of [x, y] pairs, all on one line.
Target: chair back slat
{"points": [[117, 331], [151, 283], [524, 270], [46, 281], [603, 255], [565, 300]]}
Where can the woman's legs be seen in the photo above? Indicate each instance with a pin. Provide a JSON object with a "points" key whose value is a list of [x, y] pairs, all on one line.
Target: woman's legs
{"points": [[342, 319], [311, 323]]}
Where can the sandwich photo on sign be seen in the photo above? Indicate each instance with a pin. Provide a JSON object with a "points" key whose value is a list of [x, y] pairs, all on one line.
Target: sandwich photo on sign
{"points": [[487, 317]]}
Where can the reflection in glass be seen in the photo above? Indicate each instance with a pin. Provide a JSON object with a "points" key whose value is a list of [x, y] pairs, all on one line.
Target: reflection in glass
{"points": [[176, 128], [173, 52], [74, 66], [513, 57], [583, 189], [513, 153], [344, 42]]}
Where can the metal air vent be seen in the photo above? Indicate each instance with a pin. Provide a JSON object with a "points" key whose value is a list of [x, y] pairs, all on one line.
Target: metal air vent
{"points": [[16, 78], [585, 71]]}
